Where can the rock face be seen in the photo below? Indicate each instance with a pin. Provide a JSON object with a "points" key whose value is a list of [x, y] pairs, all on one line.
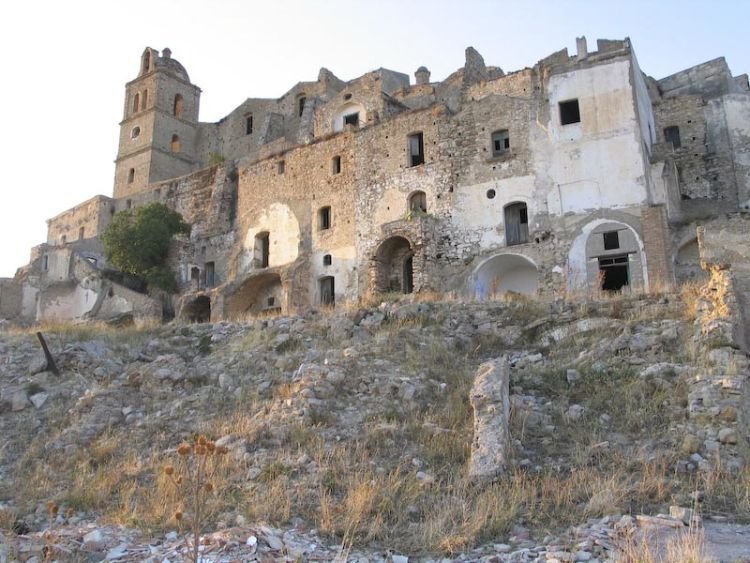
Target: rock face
{"points": [[490, 400]]}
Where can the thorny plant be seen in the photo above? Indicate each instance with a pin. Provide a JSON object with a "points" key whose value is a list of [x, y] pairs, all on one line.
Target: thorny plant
{"points": [[194, 479]]}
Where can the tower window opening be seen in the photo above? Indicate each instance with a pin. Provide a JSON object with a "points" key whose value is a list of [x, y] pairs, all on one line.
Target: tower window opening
{"points": [[418, 202], [327, 260], [144, 102], [178, 104], [249, 124], [131, 175], [135, 133], [136, 102], [416, 149], [281, 167], [175, 144], [336, 165], [672, 135], [301, 105]]}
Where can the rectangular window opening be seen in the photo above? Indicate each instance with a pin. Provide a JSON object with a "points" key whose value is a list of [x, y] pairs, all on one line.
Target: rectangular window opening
{"points": [[336, 165], [672, 135], [500, 142], [281, 167], [611, 240], [569, 112], [416, 149], [327, 260], [324, 218], [210, 274], [352, 119], [249, 125]]}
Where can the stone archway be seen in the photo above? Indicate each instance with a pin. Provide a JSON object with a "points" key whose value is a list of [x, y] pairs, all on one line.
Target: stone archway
{"points": [[258, 294], [394, 266], [503, 273], [608, 255]]}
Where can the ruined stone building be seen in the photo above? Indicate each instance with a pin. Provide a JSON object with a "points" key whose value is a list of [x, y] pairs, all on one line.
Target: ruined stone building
{"points": [[579, 173]]}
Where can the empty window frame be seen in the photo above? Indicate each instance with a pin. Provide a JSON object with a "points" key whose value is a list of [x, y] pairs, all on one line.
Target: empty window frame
{"points": [[144, 101], [569, 112], [418, 202], [45, 262], [516, 224], [81, 233], [136, 102], [177, 106], [131, 175], [611, 240], [301, 105], [352, 119], [135, 133], [672, 135], [249, 124], [327, 260], [415, 146], [128, 203], [210, 270], [614, 273], [336, 165], [175, 145], [327, 290], [324, 218], [262, 248], [500, 142], [281, 166]]}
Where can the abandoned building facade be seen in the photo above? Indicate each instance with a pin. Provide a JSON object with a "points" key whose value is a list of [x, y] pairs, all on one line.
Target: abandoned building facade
{"points": [[581, 173]]}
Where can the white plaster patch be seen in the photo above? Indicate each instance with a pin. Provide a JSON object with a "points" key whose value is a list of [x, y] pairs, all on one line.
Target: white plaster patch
{"points": [[283, 231]]}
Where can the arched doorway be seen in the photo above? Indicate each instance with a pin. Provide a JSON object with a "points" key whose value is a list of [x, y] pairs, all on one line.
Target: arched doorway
{"points": [[607, 256], [198, 310], [394, 266], [259, 294], [503, 273]]}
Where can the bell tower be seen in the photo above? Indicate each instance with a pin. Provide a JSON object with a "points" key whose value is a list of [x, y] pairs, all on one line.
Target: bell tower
{"points": [[159, 126]]}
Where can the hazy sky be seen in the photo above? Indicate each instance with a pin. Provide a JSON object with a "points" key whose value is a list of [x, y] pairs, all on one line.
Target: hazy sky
{"points": [[65, 64]]}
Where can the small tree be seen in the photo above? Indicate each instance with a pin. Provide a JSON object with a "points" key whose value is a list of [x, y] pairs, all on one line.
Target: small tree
{"points": [[137, 242]]}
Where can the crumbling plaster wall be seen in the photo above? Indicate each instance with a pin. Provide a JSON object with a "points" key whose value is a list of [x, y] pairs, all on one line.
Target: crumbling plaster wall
{"points": [[287, 203]]}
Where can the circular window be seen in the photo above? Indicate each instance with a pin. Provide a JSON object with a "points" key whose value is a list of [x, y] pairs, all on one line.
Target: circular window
{"points": [[490, 194], [135, 132]]}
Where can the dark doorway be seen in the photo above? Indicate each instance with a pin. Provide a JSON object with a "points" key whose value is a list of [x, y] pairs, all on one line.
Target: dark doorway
{"points": [[614, 273], [408, 283], [327, 291], [394, 266], [198, 311]]}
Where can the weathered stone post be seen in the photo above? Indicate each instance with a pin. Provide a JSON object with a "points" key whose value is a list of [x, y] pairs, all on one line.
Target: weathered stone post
{"points": [[490, 400]]}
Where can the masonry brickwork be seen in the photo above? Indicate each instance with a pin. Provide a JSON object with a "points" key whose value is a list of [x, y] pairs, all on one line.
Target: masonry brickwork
{"points": [[578, 174]]}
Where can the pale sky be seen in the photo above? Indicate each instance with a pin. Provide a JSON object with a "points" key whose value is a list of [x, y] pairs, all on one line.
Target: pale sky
{"points": [[65, 64]]}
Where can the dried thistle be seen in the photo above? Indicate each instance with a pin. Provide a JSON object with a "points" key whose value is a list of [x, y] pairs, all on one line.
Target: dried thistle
{"points": [[184, 449], [169, 470]]}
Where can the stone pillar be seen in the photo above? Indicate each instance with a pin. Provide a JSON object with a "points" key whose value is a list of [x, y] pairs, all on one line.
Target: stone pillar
{"points": [[656, 245], [490, 399]]}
